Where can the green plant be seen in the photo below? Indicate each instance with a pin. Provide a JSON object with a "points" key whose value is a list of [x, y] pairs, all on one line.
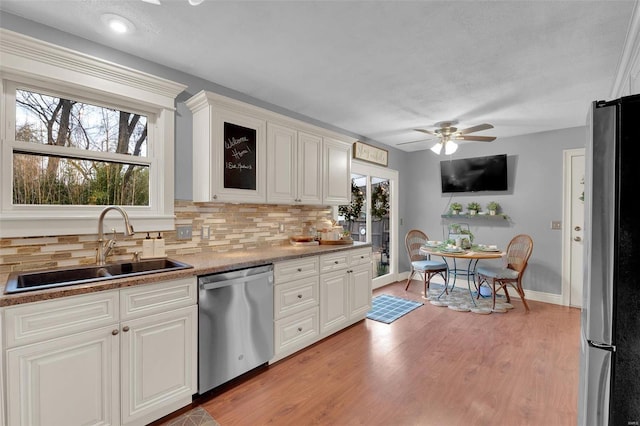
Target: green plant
{"points": [[456, 207], [473, 206], [353, 210], [493, 206]]}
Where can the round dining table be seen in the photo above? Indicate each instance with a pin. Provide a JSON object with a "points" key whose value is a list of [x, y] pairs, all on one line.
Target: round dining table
{"points": [[473, 255]]}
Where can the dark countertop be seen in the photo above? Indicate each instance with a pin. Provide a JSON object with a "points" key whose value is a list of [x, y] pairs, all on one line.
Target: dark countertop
{"points": [[203, 264]]}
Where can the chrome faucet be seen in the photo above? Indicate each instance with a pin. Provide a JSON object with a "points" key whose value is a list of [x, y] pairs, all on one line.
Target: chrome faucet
{"points": [[105, 248]]}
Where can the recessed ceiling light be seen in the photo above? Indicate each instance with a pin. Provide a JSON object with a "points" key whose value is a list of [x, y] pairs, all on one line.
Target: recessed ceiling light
{"points": [[117, 24]]}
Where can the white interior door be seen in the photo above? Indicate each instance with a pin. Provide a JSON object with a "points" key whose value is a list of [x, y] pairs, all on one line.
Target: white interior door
{"points": [[573, 234]]}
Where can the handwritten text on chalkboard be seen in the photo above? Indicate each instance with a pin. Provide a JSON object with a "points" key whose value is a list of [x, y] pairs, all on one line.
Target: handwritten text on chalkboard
{"points": [[239, 157]]}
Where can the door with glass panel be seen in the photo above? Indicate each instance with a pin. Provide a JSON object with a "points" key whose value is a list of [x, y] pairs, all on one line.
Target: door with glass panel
{"points": [[371, 217]]}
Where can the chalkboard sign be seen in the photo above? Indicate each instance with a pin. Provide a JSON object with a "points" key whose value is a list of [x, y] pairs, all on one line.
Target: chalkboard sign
{"points": [[239, 157]]}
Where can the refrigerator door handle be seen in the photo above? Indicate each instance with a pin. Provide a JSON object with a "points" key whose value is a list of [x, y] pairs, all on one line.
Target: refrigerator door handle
{"points": [[603, 346]]}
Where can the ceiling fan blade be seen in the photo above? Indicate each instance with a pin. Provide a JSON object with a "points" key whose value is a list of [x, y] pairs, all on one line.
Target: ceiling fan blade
{"points": [[429, 132], [410, 142], [475, 129], [476, 138]]}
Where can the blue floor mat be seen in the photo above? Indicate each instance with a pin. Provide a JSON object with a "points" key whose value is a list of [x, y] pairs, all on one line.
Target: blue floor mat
{"points": [[387, 308]]}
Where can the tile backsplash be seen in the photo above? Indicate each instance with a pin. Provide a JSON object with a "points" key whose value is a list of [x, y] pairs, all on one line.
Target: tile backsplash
{"points": [[232, 227]]}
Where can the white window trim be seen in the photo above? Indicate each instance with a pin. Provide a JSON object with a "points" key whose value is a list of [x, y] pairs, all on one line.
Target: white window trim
{"points": [[37, 63]]}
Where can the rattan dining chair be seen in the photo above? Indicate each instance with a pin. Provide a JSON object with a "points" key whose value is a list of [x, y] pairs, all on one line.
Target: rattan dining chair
{"points": [[420, 263], [518, 253]]}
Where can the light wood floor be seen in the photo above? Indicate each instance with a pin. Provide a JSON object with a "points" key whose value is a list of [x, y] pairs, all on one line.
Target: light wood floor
{"points": [[433, 366]]}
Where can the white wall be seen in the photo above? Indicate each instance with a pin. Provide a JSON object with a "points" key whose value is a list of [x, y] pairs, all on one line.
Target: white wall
{"points": [[533, 200]]}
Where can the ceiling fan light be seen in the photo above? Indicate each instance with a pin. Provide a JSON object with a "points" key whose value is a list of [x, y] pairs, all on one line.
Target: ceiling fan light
{"points": [[195, 2], [450, 148], [437, 148]]}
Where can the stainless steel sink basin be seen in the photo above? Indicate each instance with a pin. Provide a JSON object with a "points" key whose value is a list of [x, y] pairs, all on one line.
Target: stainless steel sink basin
{"points": [[38, 280]]}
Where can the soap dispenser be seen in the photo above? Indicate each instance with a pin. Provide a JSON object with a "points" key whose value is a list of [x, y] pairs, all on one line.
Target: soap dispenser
{"points": [[158, 246], [147, 247]]}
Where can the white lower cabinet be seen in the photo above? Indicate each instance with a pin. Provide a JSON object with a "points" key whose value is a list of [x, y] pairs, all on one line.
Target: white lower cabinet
{"points": [[80, 360], [319, 295], [65, 381], [345, 288]]}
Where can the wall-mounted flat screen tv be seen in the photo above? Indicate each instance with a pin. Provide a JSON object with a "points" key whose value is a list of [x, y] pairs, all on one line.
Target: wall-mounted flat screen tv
{"points": [[474, 174]]}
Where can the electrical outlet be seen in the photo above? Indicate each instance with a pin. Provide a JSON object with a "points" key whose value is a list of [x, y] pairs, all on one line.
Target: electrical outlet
{"points": [[556, 224], [281, 227], [184, 232], [205, 232]]}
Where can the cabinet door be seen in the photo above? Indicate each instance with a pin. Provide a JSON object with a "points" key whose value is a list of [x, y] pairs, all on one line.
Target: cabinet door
{"points": [[281, 164], [238, 168], [159, 364], [334, 304], [65, 381], [360, 291], [309, 168], [337, 171]]}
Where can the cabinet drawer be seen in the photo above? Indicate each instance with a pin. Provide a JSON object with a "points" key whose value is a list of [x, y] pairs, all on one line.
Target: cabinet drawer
{"points": [[295, 269], [297, 330], [38, 321], [359, 257], [295, 296], [155, 298], [334, 262]]}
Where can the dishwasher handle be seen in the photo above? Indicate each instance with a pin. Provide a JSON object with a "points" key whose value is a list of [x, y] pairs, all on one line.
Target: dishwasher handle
{"points": [[240, 280]]}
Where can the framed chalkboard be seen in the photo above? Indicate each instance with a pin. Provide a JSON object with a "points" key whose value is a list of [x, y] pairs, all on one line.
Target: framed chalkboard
{"points": [[240, 171]]}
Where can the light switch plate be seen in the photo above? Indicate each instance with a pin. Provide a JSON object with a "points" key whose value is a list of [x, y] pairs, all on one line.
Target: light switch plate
{"points": [[205, 232], [184, 232]]}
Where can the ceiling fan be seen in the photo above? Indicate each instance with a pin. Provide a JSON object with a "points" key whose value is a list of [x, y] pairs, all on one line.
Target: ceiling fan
{"points": [[448, 134]]}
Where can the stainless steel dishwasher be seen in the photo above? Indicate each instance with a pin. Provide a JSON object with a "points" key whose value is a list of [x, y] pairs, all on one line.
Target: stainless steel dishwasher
{"points": [[235, 332]]}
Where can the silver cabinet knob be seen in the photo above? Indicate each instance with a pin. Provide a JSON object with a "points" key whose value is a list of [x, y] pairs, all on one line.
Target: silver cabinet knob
{"points": [[125, 328], [115, 332], [577, 239], [577, 228]]}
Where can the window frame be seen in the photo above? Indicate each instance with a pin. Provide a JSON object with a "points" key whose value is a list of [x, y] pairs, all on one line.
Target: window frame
{"points": [[42, 67]]}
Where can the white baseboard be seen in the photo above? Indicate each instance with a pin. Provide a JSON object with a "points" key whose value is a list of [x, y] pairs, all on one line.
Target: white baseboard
{"points": [[534, 295]]}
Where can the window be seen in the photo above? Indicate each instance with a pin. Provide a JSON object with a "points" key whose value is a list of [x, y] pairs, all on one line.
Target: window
{"points": [[70, 152], [78, 134]]}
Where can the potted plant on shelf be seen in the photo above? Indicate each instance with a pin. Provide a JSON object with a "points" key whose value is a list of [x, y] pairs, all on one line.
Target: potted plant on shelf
{"points": [[493, 208], [473, 208], [456, 208]]}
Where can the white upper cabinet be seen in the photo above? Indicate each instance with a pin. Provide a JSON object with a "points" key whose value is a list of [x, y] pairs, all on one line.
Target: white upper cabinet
{"points": [[294, 166], [229, 150], [246, 154], [337, 172]]}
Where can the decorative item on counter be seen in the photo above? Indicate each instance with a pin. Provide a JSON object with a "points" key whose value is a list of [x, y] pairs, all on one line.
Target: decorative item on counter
{"points": [[325, 228], [303, 240]]}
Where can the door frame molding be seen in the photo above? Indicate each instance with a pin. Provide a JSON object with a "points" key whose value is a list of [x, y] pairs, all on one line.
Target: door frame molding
{"points": [[362, 168], [567, 155]]}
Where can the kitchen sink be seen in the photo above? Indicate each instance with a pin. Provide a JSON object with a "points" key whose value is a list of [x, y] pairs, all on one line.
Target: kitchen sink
{"points": [[38, 280]]}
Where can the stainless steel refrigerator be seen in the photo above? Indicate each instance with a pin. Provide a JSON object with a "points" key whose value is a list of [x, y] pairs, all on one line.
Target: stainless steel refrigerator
{"points": [[609, 392]]}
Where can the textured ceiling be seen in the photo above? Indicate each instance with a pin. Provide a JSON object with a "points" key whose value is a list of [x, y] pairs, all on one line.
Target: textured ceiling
{"points": [[379, 68]]}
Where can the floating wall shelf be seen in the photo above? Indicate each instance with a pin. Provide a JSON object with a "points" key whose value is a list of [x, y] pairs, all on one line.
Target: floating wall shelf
{"points": [[475, 216]]}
